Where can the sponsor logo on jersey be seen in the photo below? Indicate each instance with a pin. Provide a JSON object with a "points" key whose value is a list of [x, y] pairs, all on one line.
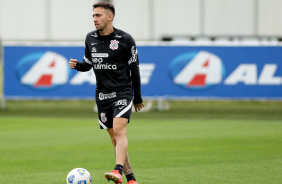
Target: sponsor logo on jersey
{"points": [[97, 60], [106, 96], [43, 70], [134, 55], [122, 103], [104, 66], [103, 117], [102, 55], [146, 71], [97, 64], [114, 44], [197, 70]]}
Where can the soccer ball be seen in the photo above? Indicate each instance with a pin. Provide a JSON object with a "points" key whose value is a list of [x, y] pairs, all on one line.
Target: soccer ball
{"points": [[79, 176]]}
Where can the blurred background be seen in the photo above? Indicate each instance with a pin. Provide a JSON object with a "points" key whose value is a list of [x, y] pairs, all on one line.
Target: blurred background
{"points": [[146, 20], [243, 38]]}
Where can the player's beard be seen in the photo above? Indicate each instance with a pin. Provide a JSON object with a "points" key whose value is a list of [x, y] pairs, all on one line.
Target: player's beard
{"points": [[101, 28]]}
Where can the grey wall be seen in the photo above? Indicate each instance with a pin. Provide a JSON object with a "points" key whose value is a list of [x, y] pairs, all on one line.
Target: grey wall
{"points": [[146, 20]]}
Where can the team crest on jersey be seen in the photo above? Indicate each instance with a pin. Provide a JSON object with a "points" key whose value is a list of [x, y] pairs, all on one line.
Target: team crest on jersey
{"points": [[103, 117], [114, 44]]}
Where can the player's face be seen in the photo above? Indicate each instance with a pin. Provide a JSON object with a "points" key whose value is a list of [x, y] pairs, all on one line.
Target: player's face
{"points": [[101, 18]]}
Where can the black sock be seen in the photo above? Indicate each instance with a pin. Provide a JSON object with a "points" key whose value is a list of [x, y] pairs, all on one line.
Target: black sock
{"points": [[119, 168], [130, 177]]}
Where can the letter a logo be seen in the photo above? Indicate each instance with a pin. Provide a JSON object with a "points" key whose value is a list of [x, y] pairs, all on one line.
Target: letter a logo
{"points": [[197, 70], [43, 70]]}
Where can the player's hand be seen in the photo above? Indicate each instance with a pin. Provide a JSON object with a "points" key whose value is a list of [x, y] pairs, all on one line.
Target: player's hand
{"points": [[138, 107], [72, 63]]}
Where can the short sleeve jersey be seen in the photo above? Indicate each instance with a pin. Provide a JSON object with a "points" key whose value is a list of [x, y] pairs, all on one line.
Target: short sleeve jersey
{"points": [[115, 62]]}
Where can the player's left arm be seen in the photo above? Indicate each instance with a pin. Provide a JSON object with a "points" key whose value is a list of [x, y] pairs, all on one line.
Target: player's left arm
{"points": [[133, 63]]}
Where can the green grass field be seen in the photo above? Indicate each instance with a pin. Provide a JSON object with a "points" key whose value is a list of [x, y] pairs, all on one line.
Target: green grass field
{"points": [[195, 142], [1, 79]]}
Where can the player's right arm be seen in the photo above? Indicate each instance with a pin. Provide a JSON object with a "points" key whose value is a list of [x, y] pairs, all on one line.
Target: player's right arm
{"points": [[80, 66], [86, 64], [72, 63]]}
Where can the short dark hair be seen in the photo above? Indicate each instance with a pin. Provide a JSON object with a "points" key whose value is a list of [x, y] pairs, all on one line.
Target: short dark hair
{"points": [[105, 5]]}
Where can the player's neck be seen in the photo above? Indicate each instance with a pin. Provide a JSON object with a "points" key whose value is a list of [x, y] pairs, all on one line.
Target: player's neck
{"points": [[107, 31]]}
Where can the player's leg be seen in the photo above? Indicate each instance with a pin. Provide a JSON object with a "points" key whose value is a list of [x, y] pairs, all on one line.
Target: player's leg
{"points": [[127, 170], [120, 139], [113, 139], [122, 112], [119, 128], [105, 118]]}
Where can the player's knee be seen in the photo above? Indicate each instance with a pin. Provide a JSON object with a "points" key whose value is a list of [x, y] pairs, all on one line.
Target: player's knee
{"points": [[119, 131]]}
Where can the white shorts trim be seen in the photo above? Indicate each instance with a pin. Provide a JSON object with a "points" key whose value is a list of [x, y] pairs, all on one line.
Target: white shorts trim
{"points": [[124, 110], [102, 124]]}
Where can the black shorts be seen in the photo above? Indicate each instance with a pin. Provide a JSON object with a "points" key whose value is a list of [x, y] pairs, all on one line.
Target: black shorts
{"points": [[107, 111]]}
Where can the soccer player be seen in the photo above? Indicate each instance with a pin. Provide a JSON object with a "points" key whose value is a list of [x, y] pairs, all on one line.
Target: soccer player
{"points": [[113, 55]]}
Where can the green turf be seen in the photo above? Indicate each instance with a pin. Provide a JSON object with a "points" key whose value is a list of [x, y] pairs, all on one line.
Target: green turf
{"points": [[194, 142], [1, 79], [255, 110]]}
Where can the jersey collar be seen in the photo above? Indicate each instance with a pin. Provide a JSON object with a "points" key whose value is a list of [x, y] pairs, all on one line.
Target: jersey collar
{"points": [[114, 34]]}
